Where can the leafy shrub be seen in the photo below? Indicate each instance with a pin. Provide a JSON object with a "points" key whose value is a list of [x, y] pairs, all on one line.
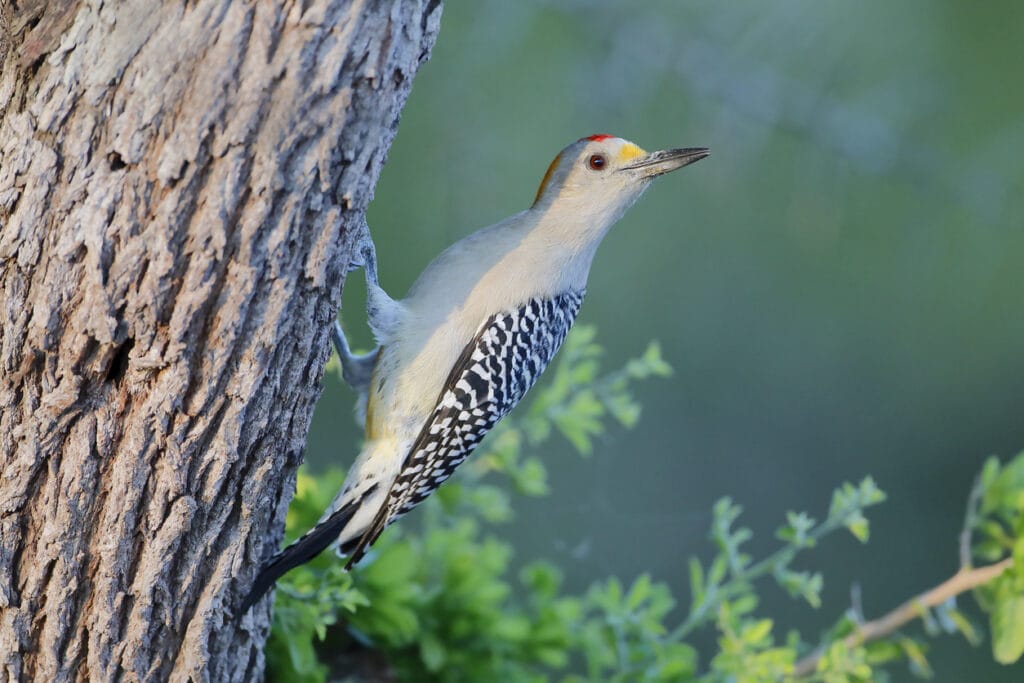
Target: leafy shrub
{"points": [[440, 604]]}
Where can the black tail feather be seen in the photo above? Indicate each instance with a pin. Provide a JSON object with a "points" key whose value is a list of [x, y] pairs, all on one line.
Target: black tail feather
{"points": [[300, 552]]}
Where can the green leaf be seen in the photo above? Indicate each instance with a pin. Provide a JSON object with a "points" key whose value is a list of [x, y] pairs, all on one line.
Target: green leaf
{"points": [[1007, 621], [651, 363], [953, 620], [758, 632], [395, 565], [623, 408], [542, 578], [579, 421], [745, 604], [914, 652], [858, 526], [493, 503], [882, 652], [801, 584], [869, 492], [797, 529], [1005, 490], [719, 568], [678, 663], [640, 591], [531, 478], [432, 652], [989, 472], [696, 581], [297, 656]]}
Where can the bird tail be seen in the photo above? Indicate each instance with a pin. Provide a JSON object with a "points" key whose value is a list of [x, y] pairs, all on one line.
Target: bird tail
{"points": [[311, 544]]}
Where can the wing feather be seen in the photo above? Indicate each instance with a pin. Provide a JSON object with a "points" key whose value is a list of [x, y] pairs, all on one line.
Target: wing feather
{"points": [[491, 375]]}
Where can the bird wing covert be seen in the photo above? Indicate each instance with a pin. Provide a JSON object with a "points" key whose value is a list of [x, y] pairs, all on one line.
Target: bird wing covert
{"points": [[504, 359]]}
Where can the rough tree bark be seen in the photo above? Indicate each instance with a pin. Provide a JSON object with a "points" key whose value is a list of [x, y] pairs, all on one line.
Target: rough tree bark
{"points": [[181, 185]]}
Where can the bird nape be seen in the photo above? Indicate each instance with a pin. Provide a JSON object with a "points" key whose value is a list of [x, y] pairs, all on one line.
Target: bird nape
{"points": [[473, 334]]}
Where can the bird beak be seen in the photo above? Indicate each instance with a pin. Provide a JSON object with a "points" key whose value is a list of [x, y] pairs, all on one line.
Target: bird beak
{"points": [[658, 163]]}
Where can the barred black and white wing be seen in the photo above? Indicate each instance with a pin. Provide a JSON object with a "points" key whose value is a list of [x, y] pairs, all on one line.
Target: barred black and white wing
{"points": [[494, 372]]}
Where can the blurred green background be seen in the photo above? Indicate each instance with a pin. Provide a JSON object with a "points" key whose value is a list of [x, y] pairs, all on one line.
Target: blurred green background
{"points": [[839, 287]]}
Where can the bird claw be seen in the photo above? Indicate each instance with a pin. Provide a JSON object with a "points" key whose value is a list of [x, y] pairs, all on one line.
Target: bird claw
{"points": [[366, 259], [355, 369], [369, 257]]}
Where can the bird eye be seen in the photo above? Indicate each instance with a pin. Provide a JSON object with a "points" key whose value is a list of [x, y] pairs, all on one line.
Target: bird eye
{"points": [[597, 162]]}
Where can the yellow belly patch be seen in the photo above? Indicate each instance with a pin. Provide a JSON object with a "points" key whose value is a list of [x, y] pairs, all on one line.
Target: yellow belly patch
{"points": [[373, 430]]}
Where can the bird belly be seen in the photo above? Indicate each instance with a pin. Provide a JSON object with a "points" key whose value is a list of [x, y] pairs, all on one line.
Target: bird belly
{"points": [[399, 405]]}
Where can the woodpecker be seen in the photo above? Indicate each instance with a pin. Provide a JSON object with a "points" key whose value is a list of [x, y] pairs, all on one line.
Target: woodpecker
{"points": [[474, 333]]}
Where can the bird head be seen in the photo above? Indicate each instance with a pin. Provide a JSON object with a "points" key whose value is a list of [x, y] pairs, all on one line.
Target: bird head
{"points": [[602, 175]]}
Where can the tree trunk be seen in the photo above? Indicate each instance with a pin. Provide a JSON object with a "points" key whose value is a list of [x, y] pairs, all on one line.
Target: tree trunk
{"points": [[182, 186]]}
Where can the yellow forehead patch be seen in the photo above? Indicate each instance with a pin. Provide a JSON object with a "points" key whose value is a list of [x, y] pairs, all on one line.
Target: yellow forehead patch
{"points": [[629, 152]]}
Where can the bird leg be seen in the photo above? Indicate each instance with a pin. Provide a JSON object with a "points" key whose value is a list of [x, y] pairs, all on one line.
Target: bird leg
{"points": [[356, 370], [383, 314]]}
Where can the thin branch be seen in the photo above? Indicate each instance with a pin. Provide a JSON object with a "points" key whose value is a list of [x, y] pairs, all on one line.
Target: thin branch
{"points": [[970, 521], [964, 580]]}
